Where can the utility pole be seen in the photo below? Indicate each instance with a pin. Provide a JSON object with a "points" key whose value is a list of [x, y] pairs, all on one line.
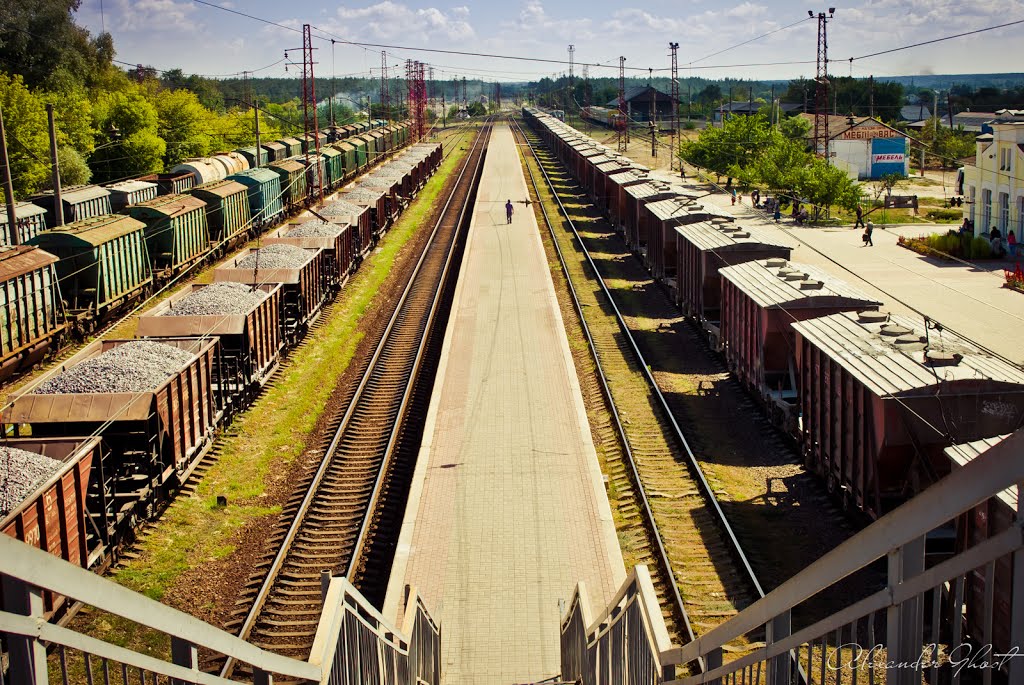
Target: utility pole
{"points": [[465, 97], [586, 95], [385, 96], [653, 107], [821, 89], [256, 116], [871, 95], [674, 53], [771, 119], [12, 214], [444, 111], [58, 206], [572, 91], [623, 121], [949, 109]]}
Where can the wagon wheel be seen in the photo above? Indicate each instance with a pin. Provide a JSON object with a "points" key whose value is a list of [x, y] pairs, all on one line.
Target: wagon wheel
{"points": [[831, 483]]}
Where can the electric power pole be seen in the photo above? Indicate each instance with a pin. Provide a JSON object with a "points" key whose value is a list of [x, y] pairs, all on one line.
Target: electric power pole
{"points": [[385, 96], [674, 53], [316, 192], [256, 116], [572, 91], [871, 95], [58, 206], [623, 121], [821, 88], [12, 214], [653, 107]]}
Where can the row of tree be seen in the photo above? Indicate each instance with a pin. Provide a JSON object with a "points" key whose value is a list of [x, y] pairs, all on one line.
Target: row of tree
{"points": [[777, 158]]}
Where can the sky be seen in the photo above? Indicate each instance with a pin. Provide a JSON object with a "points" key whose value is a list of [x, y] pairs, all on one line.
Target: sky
{"points": [[205, 39]]}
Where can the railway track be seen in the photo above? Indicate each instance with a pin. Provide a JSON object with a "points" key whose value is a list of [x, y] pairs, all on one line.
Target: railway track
{"points": [[701, 573], [335, 515]]}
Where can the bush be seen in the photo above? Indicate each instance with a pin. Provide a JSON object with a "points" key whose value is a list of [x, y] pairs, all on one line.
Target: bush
{"points": [[689, 125], [981, 248], [944, 214]]}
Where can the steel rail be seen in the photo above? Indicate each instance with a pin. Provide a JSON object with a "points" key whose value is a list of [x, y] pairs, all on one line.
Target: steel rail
{"points": [[662, 555], [298, 519], [698, 473]]}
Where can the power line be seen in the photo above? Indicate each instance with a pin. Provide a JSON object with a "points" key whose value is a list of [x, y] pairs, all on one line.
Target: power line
{"points": [[938, 40], [746, 42]]}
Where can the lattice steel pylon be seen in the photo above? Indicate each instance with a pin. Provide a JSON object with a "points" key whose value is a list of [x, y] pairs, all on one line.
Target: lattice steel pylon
{"points": [[316, 191], [674, 52], [821, 85], [569, 101], [421, 100], [623, 122], [385, 94]]}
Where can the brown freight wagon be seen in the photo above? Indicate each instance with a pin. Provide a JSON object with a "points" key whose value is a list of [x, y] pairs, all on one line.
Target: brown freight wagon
{"points": [[390, 188], [636, 218], [419, 169], [402, 174], [986, 520], [760, 301], [53, 517], [31, 308], [663, 218], [358, 217], [591, 182], [615, 185], [881, 397], [303, 293], [375, 200], [704, 248], [155, 437], [337, 262], [250, 343]]}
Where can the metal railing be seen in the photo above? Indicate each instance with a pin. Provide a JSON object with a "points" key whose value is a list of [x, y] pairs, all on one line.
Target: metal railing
{"points": [[354, 643], [627, 644], [950, 620]]}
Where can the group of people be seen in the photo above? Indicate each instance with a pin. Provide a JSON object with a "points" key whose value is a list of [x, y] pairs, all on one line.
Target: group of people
{"points": [[1001, 248]]}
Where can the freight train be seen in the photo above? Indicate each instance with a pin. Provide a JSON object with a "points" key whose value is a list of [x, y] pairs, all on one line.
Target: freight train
{"points": [[120, 242], [873, 399], [810, 347], [612, 118], [111, 440]]}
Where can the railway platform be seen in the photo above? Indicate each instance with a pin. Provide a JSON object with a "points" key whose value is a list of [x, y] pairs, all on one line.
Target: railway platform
{"points": [[507, 509]]}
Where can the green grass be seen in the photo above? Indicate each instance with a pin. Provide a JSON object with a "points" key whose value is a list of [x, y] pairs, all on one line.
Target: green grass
{"points": [[264, 440]]}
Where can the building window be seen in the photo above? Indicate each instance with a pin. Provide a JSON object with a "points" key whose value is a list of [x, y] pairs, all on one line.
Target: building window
{"points": [[970, 203], [1004, 212], [986, 210], [1020, 216]]}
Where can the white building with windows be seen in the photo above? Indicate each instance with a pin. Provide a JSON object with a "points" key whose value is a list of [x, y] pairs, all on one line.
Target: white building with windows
{"points": [[993, 188]]}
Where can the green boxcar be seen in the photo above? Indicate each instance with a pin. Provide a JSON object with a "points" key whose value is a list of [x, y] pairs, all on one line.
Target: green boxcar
{"points": [[227, 212], [31, 220], [31, 310], [176, 230], [350, 160], [104, 262], [371, 147], [334, 161], [293, 145], [250, 156], [293, 182], [362, 155], [266, 202]]}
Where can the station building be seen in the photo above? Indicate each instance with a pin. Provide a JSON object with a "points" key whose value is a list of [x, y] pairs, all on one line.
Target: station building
{"points": [[992, 187], [865, 148]]}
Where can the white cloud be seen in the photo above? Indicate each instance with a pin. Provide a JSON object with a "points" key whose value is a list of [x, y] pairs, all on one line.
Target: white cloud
{"points": [[161, 15], [534, 24], [388, 19]]}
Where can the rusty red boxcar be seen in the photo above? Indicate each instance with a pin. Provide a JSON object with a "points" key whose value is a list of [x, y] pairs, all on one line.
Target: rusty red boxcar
{"points": [[760, 301], [881, 395], [337, 246]]}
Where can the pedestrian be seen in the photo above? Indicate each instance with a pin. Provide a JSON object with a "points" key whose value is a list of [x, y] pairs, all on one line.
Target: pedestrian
{"points": [[868, 230], [508, 212], [994, 234], [860, 217], [1011, 243], [778, 212], [734, 197], [755, 197]]}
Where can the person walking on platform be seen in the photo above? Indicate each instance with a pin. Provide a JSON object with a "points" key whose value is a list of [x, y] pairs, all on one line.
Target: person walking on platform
{"points": [[868, 230], [508, 212], [860, 218]]}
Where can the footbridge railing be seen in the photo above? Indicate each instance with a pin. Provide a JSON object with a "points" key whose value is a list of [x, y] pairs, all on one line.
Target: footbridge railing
{"points": [[354, 643], [626, 644], [954, 618]]}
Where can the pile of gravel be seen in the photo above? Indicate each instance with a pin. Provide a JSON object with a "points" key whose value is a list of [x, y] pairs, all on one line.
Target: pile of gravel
{"points": [[378, 182], [395, 173], [21, 473], [341, 208], [314, 229], [277, 256], [363, 193], [217, 298], [136, 366]]}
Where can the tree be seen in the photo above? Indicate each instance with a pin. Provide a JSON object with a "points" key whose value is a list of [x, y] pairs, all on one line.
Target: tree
{"points": [[795, 128], [826, 186], [140, 149], [184, 124], [74, 171], [27, 137], [732, 148]]}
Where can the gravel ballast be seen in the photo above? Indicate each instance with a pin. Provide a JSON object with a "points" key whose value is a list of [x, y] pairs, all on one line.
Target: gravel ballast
{"points": [[341, 208], [277, 256], [21, 473], [137, 366], [314, 229], [217, 298]]}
